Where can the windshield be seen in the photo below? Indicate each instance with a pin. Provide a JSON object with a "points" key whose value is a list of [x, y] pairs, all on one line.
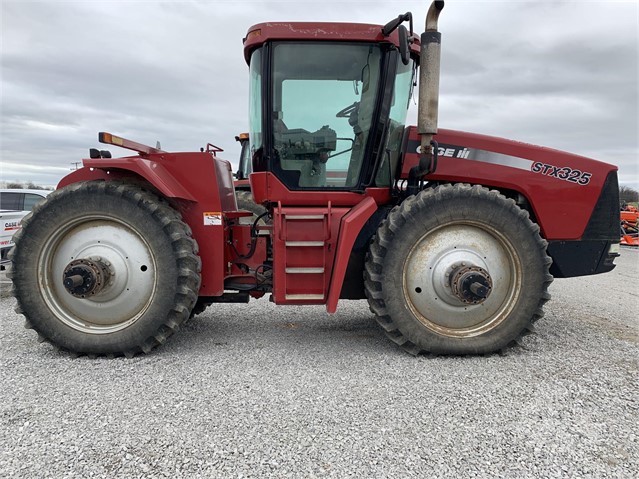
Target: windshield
{"points": [[324, 98]]}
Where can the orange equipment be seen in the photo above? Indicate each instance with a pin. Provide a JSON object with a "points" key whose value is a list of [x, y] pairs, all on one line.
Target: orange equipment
{"points": [[629, 230]]}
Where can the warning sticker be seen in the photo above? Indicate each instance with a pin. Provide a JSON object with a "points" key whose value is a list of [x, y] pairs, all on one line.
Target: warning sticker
{"points": [[212, 218]]}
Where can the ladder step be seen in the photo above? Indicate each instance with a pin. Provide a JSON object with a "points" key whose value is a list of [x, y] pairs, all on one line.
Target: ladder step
{"points": [[304, 217], [305, 243], [300, 297], [304, 270]]}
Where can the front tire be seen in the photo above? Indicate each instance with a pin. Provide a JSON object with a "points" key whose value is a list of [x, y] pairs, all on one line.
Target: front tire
{"points": [[457, 269], [246, 202], [105, 268]]}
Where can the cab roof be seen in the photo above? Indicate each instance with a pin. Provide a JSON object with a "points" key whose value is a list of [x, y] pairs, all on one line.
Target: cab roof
{"points": [[319, 31]]}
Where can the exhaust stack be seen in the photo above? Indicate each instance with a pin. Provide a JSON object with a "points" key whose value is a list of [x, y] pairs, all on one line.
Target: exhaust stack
{"points": [[428, 92], [429, 76]]}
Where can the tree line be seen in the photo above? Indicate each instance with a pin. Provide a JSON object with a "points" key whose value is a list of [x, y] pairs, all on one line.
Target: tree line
{"points": [[15, 185], [628, 195]]}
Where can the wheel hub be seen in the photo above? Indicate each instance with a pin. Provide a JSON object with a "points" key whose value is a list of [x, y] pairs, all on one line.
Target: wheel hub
{"points": [[471, 284], [461, 279], [87, 276]]}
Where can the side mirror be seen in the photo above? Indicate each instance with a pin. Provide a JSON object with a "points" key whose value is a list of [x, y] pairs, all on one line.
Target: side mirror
{"points": [[393, 24], [404, 47], [404, 43]]}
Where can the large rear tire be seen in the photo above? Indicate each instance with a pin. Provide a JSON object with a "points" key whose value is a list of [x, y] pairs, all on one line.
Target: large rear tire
{"points": [[246, 202], [105, 268], [457, 269]]}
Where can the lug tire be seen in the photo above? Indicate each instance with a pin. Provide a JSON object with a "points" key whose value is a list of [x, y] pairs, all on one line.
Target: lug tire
{"points": [[246, 202], [151, 258], [425, 240], [200, 306]]}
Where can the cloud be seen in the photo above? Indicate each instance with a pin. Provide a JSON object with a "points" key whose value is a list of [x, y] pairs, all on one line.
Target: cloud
{"points": [[560, 74]]}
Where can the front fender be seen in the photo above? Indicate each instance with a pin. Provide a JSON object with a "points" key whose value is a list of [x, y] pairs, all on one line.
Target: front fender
{"points": [[149, 170], [561, 188], [197, 184]]}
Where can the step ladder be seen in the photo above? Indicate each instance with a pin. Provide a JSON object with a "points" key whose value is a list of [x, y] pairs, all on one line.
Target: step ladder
{"points": [[301, 247]]}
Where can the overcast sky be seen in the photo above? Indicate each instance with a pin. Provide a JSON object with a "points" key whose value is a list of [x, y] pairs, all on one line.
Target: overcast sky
{"points": [[561, 74]]}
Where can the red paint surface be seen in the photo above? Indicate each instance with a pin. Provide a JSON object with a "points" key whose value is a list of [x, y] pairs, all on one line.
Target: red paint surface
{"points": [[267, 187], [320, 31], [561, 208], [293, 226], [351, 224]]}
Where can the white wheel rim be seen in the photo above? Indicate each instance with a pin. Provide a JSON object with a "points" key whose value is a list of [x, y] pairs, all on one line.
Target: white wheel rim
{"points": [[427, 288], [130, 260]]}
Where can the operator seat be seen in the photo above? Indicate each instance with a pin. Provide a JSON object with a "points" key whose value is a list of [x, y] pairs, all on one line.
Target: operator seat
{"points": [[290, 145]]}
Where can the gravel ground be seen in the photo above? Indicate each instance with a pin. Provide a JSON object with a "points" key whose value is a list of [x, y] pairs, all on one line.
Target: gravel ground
{"points": [[251, 390]]}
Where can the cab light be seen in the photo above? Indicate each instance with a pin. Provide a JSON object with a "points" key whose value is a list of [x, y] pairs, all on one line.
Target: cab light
{"points": [[253, 34]]}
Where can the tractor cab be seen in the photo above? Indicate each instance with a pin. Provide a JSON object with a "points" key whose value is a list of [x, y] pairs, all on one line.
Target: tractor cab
{"points": [[327, 107]]}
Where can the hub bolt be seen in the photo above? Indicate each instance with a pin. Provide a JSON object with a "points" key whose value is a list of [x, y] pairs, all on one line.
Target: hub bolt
{"points": [[471, 284], [86, 277]]}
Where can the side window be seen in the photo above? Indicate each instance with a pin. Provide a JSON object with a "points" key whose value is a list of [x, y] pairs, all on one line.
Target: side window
{"points": [[318, 137], [30, 200], [324, 97], [255, 112], [402, 93], [11, 201]]}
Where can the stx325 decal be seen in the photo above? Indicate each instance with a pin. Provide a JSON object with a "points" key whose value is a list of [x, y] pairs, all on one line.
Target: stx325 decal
{"points": [[563, 173]]}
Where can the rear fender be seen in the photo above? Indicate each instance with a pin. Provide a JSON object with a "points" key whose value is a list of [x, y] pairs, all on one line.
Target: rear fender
{"points": [[198, 185]]}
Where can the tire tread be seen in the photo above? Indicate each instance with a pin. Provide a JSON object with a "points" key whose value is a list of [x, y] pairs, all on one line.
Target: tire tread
{"points": [[404, 214], [184, 250]]}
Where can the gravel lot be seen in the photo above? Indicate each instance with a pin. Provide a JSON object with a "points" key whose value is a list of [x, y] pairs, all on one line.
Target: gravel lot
{"points": [[255, 390]]}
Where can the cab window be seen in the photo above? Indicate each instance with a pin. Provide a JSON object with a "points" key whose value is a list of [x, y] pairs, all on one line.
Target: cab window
{"points": [[324, 98]]}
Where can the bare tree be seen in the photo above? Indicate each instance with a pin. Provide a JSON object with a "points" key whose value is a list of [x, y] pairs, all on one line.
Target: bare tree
{"points": [[17, 185], [628, 194], [32, 186]]}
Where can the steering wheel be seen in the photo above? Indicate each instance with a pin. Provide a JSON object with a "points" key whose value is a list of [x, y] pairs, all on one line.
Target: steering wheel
{"points": [[346, 112]]}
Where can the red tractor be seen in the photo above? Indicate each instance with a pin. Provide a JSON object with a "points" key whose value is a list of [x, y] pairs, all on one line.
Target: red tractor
{"points": [[242, 184], [244, 168], [452, 237]]}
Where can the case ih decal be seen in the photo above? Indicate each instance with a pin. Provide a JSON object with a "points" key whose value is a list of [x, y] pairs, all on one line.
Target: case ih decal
{"points": [[473, 154]]}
